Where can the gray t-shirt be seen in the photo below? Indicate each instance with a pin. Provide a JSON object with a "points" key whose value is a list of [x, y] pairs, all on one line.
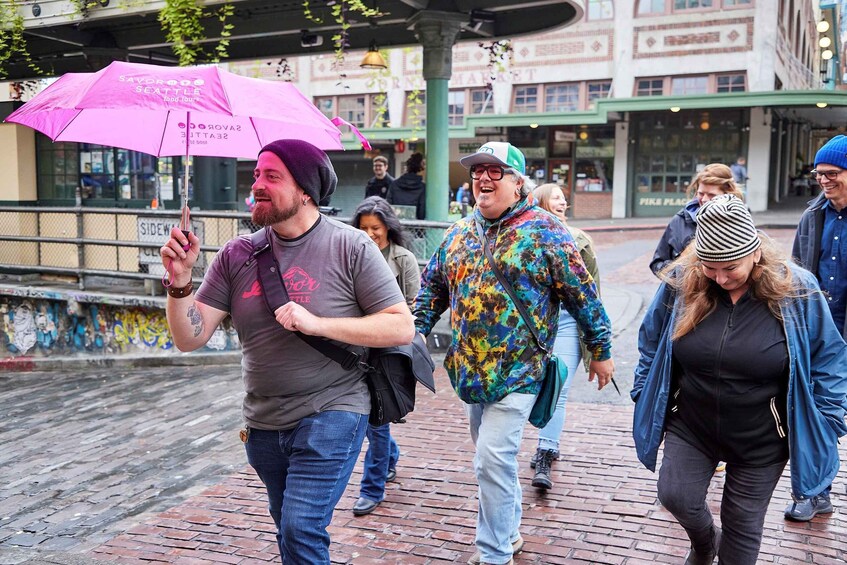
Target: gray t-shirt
{"points": [[333, 270]]}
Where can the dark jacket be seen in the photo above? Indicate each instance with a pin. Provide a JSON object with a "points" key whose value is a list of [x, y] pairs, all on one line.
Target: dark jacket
{"points": [[807, 240], [409, 190], [678, 234], [378, 187], [817, 389]]}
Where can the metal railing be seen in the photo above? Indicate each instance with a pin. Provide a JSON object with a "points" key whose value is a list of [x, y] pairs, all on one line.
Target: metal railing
{"points": [[124, 243]]}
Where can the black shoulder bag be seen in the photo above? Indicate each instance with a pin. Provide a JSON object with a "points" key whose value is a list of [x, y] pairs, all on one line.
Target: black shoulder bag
{"points": [[555, 371], [391, 372]]}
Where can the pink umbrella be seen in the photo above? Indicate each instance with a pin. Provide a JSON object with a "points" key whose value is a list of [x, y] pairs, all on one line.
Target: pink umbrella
{"points": [[169, 111]]}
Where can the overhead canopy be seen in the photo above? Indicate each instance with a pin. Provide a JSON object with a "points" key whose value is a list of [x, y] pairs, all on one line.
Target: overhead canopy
{"points": [[61, 40]]}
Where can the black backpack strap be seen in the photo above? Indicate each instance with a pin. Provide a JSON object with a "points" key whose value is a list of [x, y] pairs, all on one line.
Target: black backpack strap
{"points": [[275, 295]]}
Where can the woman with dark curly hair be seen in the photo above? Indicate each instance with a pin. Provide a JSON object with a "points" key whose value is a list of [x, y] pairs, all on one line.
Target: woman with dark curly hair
{"points": [[376, 218]]}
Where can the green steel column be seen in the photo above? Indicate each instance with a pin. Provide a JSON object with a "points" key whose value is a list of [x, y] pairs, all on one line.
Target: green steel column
{"points": [[437, 150], [437, 32]]}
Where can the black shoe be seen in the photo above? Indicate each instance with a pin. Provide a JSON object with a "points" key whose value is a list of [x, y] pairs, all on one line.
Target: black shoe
{"points": [[695, 558], [392, 474], [543, 466], [534, 459], [806, 509], [364, 506]]}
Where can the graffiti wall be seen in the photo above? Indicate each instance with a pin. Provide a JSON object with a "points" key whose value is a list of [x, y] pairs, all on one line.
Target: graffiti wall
{"points": [[43, 327]]}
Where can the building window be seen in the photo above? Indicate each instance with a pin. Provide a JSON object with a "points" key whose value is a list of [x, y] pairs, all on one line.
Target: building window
{"points": [[456, 107], [352, 109], [561, 98], [526, 99], [693, 4], [598, 90], [482, 101], [600, 10], [326, 104], [380, 117], [689, 85], [650, 87], [416, 110], [733, 3], [58, 169], [731, 83], [651, 7]]}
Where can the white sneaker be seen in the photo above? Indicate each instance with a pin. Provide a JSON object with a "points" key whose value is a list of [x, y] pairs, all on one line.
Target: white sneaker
{"points": [[517, 545]]}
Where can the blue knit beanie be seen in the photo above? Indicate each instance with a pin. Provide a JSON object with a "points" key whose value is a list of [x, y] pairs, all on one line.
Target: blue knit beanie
{"points": [[834, 152], [310, 166]]}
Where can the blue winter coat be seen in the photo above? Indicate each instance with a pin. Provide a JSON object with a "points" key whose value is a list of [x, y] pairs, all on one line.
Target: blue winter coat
{"points": [[817, 383]]}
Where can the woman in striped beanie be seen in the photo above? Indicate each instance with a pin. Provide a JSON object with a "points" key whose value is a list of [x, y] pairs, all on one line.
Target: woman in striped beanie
{"points": [[736, 335]]}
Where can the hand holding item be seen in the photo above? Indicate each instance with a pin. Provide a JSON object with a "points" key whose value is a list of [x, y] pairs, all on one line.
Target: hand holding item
{"points": [[604, 371], [179, 254], [295, 318]]}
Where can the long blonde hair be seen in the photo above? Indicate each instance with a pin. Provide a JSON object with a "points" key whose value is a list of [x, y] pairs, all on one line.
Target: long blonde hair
{"points": [[715, 174], [770, 282]]}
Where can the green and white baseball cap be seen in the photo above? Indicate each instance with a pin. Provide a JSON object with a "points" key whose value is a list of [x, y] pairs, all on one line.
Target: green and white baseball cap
{"points": [[497, 152]]}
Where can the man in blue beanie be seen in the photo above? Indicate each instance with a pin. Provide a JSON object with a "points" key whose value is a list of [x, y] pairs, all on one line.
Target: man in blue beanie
{"points": [[818, 248], [305, 415]]}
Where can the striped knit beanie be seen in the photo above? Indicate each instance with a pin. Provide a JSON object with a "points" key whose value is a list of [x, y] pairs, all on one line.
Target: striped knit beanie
{"points": [[725, 230]]}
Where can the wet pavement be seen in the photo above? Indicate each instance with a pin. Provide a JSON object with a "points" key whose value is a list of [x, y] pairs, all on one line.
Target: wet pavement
{"points": [[144, 465]]}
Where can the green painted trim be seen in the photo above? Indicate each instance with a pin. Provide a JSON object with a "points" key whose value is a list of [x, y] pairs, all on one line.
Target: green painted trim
{"points": [[606, 106], [18, 203]]}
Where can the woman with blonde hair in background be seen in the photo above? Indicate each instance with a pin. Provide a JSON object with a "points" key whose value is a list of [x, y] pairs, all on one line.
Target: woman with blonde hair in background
{"points": [[713, 180], [567, 346]]}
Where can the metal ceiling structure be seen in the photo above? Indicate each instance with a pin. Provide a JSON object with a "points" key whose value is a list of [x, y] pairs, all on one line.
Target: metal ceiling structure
{"points": [[60, 39]]}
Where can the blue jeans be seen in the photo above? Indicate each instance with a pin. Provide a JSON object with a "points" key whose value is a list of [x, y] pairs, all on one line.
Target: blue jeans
{"points": [[382, 455], [496, 430], [684, 479], [567, 348], [305, 471]]}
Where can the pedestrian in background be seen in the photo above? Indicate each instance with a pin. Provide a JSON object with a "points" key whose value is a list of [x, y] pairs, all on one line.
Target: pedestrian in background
{"points": [[409, 188], [376, 218], [739, 170], [306, 415], [818, 248], [715, 179], [735, 335], [493, 362], [379, 183], [568, 345]]}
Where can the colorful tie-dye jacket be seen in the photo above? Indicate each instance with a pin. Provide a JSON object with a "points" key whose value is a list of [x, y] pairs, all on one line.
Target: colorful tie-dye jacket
{"points": [[492, 352]]}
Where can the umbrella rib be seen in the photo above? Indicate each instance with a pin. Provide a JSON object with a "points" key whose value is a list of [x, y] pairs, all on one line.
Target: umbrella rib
{"points": [[67, 125], [256, 131], [164, 129]]}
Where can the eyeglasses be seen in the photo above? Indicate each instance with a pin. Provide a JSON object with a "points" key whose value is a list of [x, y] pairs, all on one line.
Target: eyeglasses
{"points": [[831, 175], [495, 172]]}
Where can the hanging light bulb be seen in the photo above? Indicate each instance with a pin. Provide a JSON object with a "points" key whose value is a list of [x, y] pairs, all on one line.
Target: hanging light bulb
{"points": [[823, 26], [373, 58], [825, 42]]}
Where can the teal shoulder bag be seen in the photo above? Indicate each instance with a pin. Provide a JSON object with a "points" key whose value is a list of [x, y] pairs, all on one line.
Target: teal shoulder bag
{"points": [[555, 371]]}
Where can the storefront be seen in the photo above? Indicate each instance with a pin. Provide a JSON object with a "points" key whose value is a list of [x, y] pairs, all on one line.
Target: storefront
{"points": [[670, 147]]}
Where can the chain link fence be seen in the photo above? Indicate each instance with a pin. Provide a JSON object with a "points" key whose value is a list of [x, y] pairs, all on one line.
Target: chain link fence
{"points": [[124, 244]]}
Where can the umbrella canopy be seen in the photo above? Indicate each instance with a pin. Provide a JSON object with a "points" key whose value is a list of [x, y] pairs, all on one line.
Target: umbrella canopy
{"points": [[169, 111]]}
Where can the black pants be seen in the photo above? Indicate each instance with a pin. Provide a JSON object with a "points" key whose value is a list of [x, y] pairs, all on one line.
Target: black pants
{"points": [[684, 479]]}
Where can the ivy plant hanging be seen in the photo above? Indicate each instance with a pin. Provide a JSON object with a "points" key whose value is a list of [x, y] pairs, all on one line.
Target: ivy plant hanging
{"points": [[12, 41], [499, 53], [181, 21]]}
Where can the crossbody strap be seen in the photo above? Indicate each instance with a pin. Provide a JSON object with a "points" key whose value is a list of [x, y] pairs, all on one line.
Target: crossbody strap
{"points": [[275, 295], [508, 286]]}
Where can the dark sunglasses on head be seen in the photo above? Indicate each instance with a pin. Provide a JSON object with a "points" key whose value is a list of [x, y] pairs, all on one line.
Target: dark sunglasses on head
{"points": [[495, 172], [831, 175]]}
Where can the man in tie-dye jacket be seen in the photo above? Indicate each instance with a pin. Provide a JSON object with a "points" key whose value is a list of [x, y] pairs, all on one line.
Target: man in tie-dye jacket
{"points": [[493, 361]]}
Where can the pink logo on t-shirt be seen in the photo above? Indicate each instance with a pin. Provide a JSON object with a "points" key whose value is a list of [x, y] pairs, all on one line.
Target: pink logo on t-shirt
{"points": [[299, 285], [255, 290]]}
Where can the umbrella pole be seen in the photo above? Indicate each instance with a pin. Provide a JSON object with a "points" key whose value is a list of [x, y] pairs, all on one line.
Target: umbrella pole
{"points": [[184, 220]]}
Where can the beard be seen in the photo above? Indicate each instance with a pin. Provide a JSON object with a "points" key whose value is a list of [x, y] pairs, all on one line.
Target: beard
{"points": [[267, 214]]}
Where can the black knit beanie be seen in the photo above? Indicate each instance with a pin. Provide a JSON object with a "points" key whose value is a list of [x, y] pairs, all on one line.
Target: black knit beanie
{"points": [[309, 166]]}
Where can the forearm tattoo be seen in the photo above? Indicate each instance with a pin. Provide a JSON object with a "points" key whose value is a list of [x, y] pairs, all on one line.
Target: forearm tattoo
{"points": [[196, 320]]}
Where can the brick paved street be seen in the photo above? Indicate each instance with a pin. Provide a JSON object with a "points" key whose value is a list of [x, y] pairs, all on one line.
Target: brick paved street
{"points": [[144, 466]]}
